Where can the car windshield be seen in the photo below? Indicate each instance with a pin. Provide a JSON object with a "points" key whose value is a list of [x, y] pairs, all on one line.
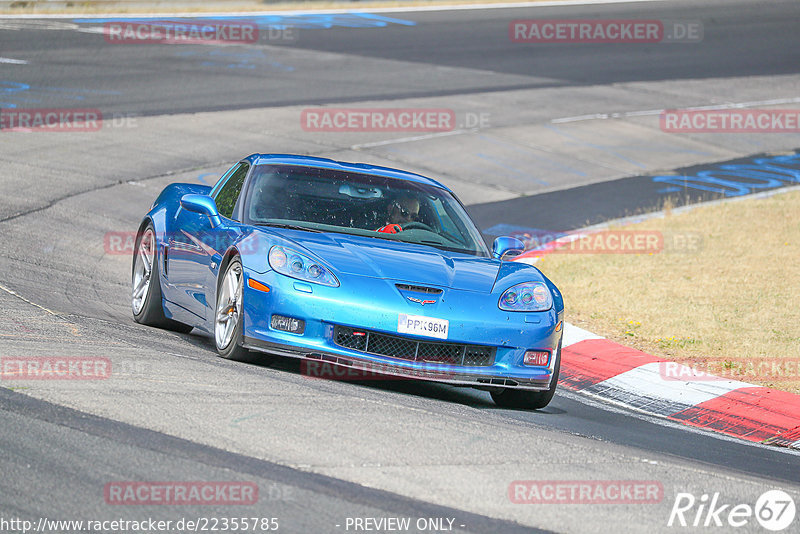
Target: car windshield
{"points": [[360, 204]]}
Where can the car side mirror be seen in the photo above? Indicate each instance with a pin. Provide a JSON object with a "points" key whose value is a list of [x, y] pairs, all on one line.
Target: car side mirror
{"points": [[505, 248], [202, 204]]}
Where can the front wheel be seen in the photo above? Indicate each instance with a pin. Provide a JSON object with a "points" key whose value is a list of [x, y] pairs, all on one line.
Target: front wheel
{"points": [[529, 400], [228, 318]]}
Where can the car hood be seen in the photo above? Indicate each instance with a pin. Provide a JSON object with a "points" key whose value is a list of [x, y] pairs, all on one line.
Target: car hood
{"points": [[398, 261]]}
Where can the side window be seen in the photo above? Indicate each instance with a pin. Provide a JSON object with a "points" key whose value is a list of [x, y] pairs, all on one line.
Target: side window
{"points": [[229, 192], [223, 179]]}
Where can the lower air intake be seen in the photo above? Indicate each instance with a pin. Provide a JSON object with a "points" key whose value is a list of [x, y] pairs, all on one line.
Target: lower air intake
{"points": [[413, 350]]}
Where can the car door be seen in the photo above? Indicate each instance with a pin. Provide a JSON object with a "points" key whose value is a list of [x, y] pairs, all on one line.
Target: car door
{"points": [[196, 248]]}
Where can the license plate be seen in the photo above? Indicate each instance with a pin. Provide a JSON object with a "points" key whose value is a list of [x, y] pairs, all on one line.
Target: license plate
{"points": [[422, 326]]}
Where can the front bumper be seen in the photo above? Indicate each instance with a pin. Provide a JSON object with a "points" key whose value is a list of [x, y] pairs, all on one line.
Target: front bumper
{"points": [[372, 304], [367, 368]]}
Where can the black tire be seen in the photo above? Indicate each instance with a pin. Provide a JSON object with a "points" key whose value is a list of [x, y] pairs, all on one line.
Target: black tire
{"points": [[231, 349], [529, 400], [149, 310]]}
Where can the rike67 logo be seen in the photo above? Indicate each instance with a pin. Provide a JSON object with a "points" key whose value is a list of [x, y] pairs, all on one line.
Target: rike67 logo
{"points": [[774, 510]]}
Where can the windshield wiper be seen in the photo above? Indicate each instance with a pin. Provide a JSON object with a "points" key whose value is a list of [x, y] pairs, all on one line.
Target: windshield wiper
{"points": [[289, 227], [442, 246]]}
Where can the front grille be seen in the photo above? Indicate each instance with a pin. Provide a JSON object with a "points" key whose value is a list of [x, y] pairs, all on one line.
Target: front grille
{"points": [[413, 350]]}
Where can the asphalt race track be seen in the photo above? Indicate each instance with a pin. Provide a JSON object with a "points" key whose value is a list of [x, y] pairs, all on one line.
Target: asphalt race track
{"points": [[549, 136]]}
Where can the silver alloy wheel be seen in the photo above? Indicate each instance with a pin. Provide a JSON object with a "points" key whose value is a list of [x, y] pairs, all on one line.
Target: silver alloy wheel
{"points": [[143, 267], [229, 306]]}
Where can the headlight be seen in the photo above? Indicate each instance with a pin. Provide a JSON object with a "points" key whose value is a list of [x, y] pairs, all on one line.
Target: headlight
{"points": [[526, 297], [291, 263]]}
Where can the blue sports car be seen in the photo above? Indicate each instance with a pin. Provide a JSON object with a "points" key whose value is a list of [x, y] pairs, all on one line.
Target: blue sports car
{"points": [[357, 266]]}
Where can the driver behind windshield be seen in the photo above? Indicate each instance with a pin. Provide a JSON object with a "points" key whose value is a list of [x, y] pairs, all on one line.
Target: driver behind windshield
{"points": [[403, 210]]}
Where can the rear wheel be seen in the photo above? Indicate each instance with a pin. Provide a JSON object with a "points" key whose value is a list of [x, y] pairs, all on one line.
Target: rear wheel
{"points": [[228, 317], [146, 287], [529, 400]]}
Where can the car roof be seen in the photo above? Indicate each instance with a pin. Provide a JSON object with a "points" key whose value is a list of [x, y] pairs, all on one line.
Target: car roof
{"points": [[325, 163]]}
